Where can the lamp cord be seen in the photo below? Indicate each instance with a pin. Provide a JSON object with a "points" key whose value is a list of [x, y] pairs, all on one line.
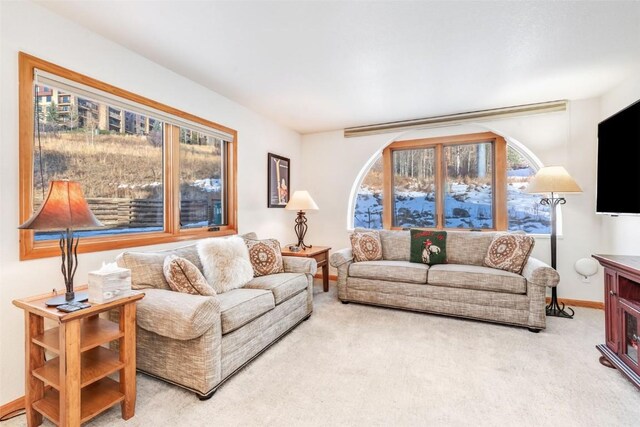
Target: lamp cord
{"points": [[36, 113]]}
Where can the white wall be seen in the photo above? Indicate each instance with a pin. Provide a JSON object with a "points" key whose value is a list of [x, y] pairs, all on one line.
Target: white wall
{"points": [[30, 28], [567, 139], [623, 232]]}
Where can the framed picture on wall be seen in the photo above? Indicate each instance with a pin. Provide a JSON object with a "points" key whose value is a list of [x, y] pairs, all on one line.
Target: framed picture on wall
{"points": [[278, 181]]}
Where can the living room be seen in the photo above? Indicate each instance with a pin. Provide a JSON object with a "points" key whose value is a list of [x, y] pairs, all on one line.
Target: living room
{"points": [[303, 81]]}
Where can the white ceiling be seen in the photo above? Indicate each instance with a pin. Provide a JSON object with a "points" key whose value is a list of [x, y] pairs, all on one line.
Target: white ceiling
{"points": [[324, 65]]}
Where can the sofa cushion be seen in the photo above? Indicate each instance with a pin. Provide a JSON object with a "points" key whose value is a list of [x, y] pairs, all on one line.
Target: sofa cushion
{"points": [[225, 262], [240, 306], [395, 244], [183, 276], [147, 267], [394, 271], [177, 315], [477, 277], [283, 285], [366, 245], [265, 256], [428, 246], [509, 252], [468, 247]]}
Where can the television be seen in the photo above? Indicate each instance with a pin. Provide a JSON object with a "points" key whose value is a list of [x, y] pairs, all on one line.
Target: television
{"points": [[618, 179]]}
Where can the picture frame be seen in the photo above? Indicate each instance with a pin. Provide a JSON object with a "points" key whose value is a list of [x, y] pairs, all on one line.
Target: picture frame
{"points": [[278, 184]]}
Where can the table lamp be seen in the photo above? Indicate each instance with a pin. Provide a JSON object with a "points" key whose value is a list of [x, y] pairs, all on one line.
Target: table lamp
{"points": [[64, 209], [301, 201], [552, 180]]}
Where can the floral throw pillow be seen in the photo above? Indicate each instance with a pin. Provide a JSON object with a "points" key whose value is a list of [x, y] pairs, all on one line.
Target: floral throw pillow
{"points": [[509, 252], [183, 276], [366, 246], [428, 247], [265, 256]]}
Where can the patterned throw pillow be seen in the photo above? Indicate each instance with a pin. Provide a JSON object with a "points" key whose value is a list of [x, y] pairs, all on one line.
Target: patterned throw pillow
{"points": [[428, 247], [185, 277], [265, 256], [509, 252], [366, 246]]}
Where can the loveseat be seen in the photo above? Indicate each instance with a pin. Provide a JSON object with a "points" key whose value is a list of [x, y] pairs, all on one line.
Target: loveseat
{"points": [[198, 342], [462, 287]]}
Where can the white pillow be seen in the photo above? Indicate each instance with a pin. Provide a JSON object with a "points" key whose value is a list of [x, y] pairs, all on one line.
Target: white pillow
{"points": [[225, 262]]}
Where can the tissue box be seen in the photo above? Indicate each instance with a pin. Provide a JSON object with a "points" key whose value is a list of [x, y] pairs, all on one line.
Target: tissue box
{"points": [[108, 284]]}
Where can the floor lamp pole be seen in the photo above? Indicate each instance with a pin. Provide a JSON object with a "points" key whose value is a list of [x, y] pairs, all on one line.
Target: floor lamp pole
{"points": [[554, 308]]}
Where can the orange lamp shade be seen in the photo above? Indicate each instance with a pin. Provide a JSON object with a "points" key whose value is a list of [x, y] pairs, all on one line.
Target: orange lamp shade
{"points": [[63, 208]]}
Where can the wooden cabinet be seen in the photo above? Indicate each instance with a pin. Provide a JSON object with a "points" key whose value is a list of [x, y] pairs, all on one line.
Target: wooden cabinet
{"points": [[74, 385], [622, 314]]}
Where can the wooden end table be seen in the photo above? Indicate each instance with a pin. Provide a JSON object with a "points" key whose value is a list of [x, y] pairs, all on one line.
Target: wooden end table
{"points": [[78, 378], [320, 254]]}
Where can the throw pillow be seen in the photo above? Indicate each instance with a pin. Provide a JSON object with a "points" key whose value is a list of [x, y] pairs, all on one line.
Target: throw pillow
{"points": [[185, 277], [428, 247], [509, 252], [225, 262], [265, 256], [366, 246]]}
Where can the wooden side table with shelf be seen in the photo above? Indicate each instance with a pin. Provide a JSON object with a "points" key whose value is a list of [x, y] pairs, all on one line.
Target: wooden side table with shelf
{"points": [[320, 254], [80, 387]]}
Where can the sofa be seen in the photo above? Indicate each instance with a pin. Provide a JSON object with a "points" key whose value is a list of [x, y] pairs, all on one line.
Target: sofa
{"points": [[462, 287], [198, 342]]}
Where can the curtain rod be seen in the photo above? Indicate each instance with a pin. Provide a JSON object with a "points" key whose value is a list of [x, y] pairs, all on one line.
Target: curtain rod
{"points": [[451, 119]]}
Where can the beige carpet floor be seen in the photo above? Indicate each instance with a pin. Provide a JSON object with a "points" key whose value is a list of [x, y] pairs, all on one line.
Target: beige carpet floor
{"points": [[357, 365]]}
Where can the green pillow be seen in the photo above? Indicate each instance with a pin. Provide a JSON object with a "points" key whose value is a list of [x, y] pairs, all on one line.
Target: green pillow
{"points": [[428, 247]]}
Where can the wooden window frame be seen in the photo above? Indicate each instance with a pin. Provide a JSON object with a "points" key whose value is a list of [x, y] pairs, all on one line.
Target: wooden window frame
{"points": [[30, 249], [499, 176]]}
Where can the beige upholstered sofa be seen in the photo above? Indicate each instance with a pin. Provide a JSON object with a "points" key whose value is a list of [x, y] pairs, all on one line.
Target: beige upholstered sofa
{"points": [[198, 342], [463, 287]]}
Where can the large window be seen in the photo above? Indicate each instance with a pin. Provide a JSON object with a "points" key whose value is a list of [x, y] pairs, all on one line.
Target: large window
{"points": [[460, 182], [150, 173]]}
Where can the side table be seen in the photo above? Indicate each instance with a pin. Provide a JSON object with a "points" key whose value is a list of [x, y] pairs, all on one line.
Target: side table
{"points": [[320, 254], [78, 378]]}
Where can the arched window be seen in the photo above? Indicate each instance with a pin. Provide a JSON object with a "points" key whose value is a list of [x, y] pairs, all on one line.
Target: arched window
{"points": [[466, 194]]}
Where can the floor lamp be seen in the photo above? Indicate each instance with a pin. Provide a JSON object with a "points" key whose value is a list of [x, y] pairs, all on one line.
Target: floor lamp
{"points": [[550, 181]]}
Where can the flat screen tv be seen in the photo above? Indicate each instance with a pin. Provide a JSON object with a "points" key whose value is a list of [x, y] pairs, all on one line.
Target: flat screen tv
{"points": [[618, 183]]}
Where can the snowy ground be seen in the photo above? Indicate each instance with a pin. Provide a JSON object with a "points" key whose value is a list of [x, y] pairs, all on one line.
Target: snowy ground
{"points": [[467, 206]]}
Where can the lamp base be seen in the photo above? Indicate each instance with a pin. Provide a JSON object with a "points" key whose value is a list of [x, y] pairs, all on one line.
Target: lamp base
{"points": [[62, 299], [557, 309]]}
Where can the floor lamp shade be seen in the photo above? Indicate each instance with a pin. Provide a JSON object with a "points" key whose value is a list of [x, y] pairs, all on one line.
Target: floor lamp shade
{"points": [[301, 201], [552, 180], [64, 209]]}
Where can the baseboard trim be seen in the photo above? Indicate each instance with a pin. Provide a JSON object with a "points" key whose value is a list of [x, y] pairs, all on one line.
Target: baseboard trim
{"points": [[331, 276], [580, 303], [11, 407]]}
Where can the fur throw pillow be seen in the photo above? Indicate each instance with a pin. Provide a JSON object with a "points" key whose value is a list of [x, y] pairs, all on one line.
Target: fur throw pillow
{"points": [[225, 262], [185, 277]]}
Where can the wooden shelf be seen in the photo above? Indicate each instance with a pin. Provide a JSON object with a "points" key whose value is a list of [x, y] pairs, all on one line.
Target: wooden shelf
{"points": [[96, 364], [94, 332], [95, 398]]}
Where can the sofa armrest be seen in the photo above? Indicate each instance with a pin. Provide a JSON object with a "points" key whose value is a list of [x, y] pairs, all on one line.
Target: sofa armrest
{"points": [[177, 315], [295, 264], [340, 257], [540, 273]]}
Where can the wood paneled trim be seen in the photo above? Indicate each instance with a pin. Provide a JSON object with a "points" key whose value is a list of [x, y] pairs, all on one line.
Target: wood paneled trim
{"points": [[453, 139], [29, 249], [580, 303], [500, 218], [387, 188], [332, 277]]}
